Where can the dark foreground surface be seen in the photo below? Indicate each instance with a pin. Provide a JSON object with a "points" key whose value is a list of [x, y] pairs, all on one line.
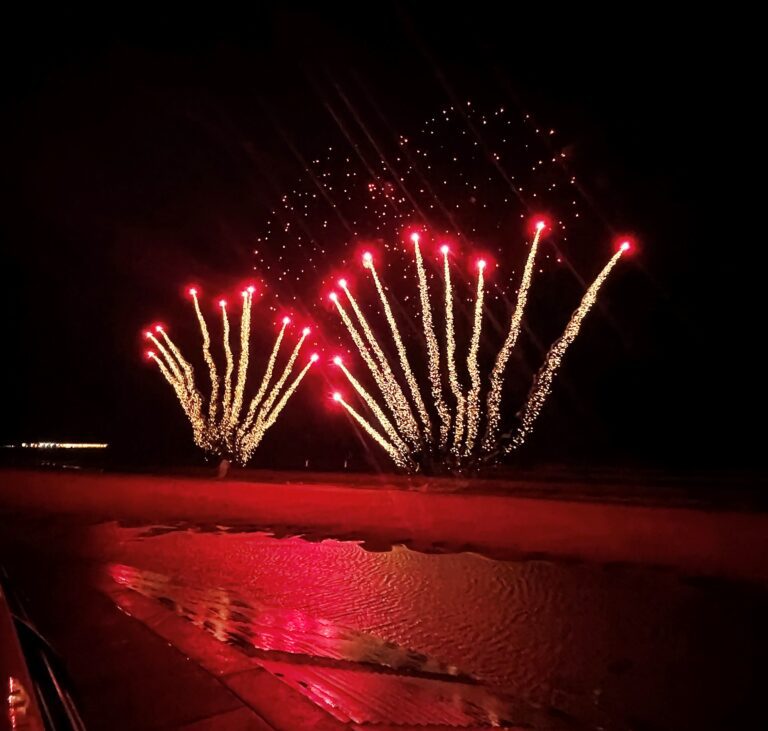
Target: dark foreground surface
{"points": [[192, 604]]}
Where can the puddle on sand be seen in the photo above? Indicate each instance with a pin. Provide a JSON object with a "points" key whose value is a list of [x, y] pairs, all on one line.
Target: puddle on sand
{"points": [[648, 648], [355, 676]]}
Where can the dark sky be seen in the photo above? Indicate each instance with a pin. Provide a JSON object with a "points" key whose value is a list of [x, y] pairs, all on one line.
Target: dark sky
{"points": [[125, 173]]}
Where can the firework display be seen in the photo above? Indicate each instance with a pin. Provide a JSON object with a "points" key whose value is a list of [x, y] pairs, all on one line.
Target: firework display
{"points": [[434, 357], [221, 426], [409, 440]]}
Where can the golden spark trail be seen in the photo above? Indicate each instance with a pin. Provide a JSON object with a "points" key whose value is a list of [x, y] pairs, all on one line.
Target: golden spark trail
{"points": [[213, 403], [375, 435], [386, 424], [409, 426], [171, 363], [450, 355], [493, 406], [389, 398], [433, 353], [166, 373], [194, 401], [287, 395], [404, 364], [265, 421], [230, 367], [256, 400], [228, 430], [543, 384], [242, 365], [273, 394], [176, 383], [473, 411], [189, 376]]}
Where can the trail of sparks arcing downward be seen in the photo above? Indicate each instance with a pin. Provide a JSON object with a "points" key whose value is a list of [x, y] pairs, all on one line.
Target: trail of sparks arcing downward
{"points": [[169, 360], [386, 424], [182, 362], [230, 364], [172, 374], [466, 451], [450, 355], [270, 420], [242, 364], [543, 383], [499, 367], [433, 352], [228, 435], [410, 427], [390, 396], [267, 420], [167, 375], [194, 402], [252, 439], [256, 400], [259, 426], [473, 411], [213, 403], [396, 456], [401, 352]]}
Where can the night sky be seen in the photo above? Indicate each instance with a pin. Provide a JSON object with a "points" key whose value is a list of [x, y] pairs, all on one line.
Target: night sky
{"points": [[144, 153]]}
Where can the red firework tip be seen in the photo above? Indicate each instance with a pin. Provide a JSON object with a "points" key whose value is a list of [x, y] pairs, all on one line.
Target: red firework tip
{"points": [[286, 320], [159, 328], [222, 303], [367, 257], [333, 296], [337, 360], [192, 291], [343, 283], [150, 354], [313, 358], [540, 225], [147, 334], [445, 249], [481, 264], [415, 237], [336, 396], [625, 245], [306, 331], [250, 289]]}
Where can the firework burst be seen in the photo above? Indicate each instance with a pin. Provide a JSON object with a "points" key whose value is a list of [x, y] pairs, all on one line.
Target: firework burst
{"points": [[222, 426], [410, 441]]}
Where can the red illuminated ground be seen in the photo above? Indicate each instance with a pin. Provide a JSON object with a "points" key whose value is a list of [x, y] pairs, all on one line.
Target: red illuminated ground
{"points": [[298, 606]]}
